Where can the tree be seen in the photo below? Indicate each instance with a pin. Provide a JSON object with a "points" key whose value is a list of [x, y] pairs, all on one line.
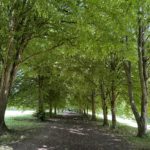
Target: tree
{"points": [[142, 58], [19, 33], [25, 22]]}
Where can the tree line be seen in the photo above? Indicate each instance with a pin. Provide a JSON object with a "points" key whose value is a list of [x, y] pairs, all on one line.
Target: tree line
{"points": [[87, 55]]}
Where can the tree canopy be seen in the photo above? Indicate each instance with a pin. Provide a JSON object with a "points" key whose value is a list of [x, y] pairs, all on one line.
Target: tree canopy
{"points": [[85, 55]]}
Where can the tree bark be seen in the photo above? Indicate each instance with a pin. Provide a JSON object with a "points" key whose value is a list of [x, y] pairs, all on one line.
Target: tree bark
{"points": [[114, 70], [93, 105], [50, 109], [41, 112], [87, 110], [104, 105], [3, 104], [113, 105], [8, 75], [55, 110], [84, 112], [143, 79], [138, 118]]}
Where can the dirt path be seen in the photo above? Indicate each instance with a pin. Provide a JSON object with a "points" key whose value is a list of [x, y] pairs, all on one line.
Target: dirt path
{"points": [[65, 134]]}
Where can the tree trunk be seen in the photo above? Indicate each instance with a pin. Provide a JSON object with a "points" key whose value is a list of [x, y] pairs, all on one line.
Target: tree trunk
{"points": [[84, 112], [142, 61], [93, 105], [3, 104], [104, 106], [55, 110], [113, 105], [138, 118], [41, 113], [50, 109], [87, 110], [8, 76]]}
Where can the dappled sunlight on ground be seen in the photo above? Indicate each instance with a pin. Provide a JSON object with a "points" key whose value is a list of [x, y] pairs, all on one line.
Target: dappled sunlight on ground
{"points": [[49, 148], [6, 148], [70, 134], [44, 147], [54, 127], [77, 131]]}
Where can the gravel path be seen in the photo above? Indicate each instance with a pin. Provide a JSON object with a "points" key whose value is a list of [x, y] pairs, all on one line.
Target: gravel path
{"points": [[66, 134]]}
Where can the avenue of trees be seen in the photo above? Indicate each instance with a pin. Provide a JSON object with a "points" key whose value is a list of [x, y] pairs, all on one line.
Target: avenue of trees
{"points": [[85, 55]]}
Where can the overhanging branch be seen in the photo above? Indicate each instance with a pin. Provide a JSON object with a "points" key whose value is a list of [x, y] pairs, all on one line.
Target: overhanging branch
{"points": [[41, 52]]}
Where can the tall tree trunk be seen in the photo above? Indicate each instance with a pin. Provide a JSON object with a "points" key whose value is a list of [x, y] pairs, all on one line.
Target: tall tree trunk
{"points": [[8, 75], [84, 112], [114, 61], [141, 126], [87, 110], [3, 104], [93, 105], [50, 109], [55, 109], [41, 113], [9, 72], [113, 105], [104, 106], [142, 61]]}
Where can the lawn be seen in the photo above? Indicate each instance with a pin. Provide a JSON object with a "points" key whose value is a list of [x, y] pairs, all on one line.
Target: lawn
{"points": [[18, 126]]}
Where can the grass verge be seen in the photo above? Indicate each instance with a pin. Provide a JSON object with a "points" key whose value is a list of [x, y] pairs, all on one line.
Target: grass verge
{"points": [[20, 127], [129, 133]]}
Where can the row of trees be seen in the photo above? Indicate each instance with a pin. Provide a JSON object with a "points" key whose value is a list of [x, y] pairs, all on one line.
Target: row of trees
{"points": [[89, 55]]}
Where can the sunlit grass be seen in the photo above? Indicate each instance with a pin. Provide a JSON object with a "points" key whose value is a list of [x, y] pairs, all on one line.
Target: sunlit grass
{"points": [[19, 125], [130, 134], [124, 121], [22, 122]]}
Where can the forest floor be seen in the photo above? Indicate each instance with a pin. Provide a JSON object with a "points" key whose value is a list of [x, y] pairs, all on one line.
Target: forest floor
{"points": [[68, 133]]}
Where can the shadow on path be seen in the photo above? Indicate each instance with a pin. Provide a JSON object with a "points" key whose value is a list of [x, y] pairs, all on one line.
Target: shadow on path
{"points": [[71, 134]]}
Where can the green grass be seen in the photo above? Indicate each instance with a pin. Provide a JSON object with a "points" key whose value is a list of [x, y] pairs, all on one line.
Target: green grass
{"points": [[19, 127], [22, 122], [141, 143], [129, 133]]}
